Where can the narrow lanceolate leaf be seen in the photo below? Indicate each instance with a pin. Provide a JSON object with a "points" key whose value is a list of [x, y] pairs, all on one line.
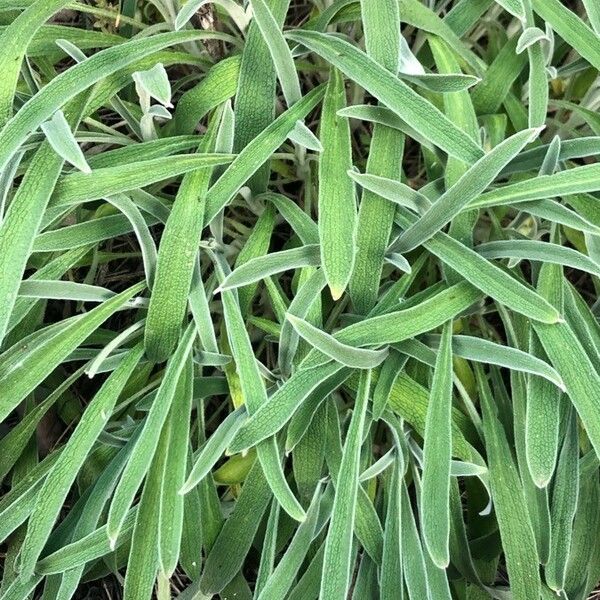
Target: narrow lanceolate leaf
{"points": [[60, 479], [142, 232], [541, 251], [142, 565], [24, 217], [269, 549], [29, 366], [283, 576], [338, 547], [375, 218], [437, 450], [254, 395], [390, 370], [256, 152], [357, 358], [487, 277], [414, 567], [79, 187], [391, 562], [256, 245], [485, 351], [392, 92], [146, 444], [280, 52], [255, 99], [171, 502], [572, 181], [337, 202], [542, 423], [394, 191], [578, 370], [381, 23], [518, 541], [16, 38], [235, 538], [593, 12], [466, 189], [306, 298], [565, 497], [262, 267], [176, 259], [538, 78], [214, 448], [63, 141]]}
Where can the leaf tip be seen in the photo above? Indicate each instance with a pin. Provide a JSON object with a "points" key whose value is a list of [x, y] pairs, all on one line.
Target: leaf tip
{"points": [[541, 482], [336, 291]]}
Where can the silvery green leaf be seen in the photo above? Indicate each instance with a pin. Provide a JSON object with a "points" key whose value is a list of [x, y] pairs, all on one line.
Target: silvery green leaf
{"points": [[71, 49], [304, 137], [159, 112], [154, 83], [396, 259], [530, 36], [62, 140], [409, 64]]}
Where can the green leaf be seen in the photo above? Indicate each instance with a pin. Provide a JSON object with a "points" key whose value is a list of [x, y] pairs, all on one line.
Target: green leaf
{"points": [[514, 7], [283, 576], [16, 39], [254, 395], [280, 52], [337, 203], [235, 538], [509, 504], [338, 546], [256, 152], [171, 514], [262, 267], [571, 28], [357, 358], [255, 100], [437, 451], [541, 251], [214, 448], [487, 277], [392, 92], [572, 181], [485, 351], [108, 181], [466, 189], [154, 83], [148, 441], [61, 138], [176, 259], [565, 496]]}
